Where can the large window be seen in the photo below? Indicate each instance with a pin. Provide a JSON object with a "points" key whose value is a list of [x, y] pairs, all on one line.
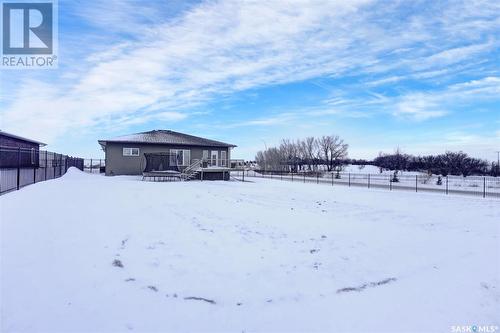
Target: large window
{"points": [[223, 158], [180, 157], [130, 151]]}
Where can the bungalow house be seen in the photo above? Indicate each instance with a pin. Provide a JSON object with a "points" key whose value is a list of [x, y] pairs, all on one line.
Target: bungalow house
{"points": [[165, 150], [18, 151]]}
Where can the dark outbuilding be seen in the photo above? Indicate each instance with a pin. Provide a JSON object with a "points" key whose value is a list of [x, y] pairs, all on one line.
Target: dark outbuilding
{"points": [[17, 151]]}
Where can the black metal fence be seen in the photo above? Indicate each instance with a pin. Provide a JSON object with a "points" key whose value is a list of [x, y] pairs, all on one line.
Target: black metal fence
{"points": [[20, 167], [94, 165], [471, 185]]}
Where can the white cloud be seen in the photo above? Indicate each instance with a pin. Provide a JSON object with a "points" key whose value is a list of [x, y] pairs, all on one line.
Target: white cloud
{"points": [[425, 105], [412, 106], [217, 48], [419, 107], [453, 55]]}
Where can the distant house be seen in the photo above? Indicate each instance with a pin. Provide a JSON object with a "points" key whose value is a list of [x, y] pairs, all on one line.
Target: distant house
{"points": [[165, 150], [18, 151]]}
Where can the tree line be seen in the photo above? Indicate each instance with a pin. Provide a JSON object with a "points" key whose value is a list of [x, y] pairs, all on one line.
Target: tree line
{"points": [[449, 163], [307, 154], [329, 153]]}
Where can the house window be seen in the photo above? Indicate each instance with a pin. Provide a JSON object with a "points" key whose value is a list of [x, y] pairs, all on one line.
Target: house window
{"points": [[187, 157], [130, 151], [173, 157], [223, 158], [180, 157]]}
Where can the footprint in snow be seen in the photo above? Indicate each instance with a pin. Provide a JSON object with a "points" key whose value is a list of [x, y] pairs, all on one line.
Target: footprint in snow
{"points": [[117, 263], [211, 301]]}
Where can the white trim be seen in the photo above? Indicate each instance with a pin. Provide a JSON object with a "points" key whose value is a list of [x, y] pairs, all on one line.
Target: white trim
{"points": [[131, 152], [223, 158], [216, 154], [186, 156]]}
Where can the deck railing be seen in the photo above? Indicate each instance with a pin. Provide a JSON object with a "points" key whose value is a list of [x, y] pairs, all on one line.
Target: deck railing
{"points": [[222, 163]]}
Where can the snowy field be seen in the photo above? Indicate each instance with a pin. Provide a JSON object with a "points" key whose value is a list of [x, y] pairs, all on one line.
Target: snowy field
{"points": [[471, 185], [91, 253]]}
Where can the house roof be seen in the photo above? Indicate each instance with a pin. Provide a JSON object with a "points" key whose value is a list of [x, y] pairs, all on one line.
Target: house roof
{"points": [[166, 137], [10, 135]]}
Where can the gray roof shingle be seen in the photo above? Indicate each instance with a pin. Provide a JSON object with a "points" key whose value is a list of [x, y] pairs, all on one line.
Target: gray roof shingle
{"points": [[167, 137]]}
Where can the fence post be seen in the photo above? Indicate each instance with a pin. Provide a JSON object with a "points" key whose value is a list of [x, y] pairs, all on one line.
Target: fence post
{"points": [[368, 180], [90, 165], [484, 187], [446, 184], [292, 177], [317, 178], [34, 175], [416, 183], [46, 166], [243, 175], [349, 179], [390, 183], [18, 166]]}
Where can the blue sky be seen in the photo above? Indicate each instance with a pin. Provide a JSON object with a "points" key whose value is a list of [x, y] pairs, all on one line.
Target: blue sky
{"points": [[420, 75]]}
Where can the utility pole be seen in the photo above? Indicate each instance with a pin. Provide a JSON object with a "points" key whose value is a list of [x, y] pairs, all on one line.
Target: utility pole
{"points": [[265, 162]]}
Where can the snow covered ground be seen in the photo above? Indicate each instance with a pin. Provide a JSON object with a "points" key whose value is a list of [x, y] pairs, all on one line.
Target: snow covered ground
{"points": [[406, 179], [100, 254]]}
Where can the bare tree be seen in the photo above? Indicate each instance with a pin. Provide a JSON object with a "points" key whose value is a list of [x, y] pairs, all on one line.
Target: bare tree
{"points": [[274, 158], [333, 150], [301, 153], [260, 159], [289, 152], [310, 151], [328, 150]]}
